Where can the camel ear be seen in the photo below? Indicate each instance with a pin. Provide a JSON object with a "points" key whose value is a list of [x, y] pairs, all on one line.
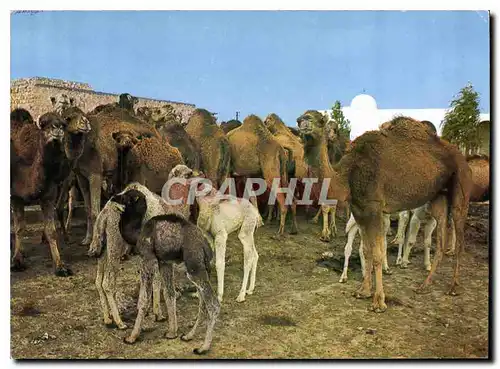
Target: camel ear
{"points": [[53, 100], [115, 135]]}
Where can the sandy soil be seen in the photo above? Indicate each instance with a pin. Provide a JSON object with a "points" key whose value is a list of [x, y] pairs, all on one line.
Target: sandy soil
{"points": [[299, 309]]}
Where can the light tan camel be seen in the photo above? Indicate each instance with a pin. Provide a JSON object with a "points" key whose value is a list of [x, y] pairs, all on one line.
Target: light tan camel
{"points": [[256, 153]]}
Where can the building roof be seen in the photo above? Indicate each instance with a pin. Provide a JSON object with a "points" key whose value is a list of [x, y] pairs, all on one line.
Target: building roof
{"points": [[364, 115]]}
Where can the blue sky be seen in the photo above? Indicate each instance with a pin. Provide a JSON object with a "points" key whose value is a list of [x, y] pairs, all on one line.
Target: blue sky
{"points": [[261, 62]]}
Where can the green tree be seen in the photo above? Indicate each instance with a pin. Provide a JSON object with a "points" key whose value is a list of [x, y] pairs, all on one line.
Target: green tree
{"points": [[343, 125], [461, 122]]}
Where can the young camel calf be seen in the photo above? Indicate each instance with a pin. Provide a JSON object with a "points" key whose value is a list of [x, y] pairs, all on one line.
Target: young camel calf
{"points": [[352, 230], [219, 217], [163, 241], [109, 246]]}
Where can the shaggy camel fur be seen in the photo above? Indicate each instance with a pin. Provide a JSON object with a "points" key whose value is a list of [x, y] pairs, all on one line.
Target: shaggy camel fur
{"points": [[222, 216], [480, 186], [109, 244], [480, 166], [212, 144], [400, 167], [40, 160], [255, 152], [165, 240], [177, 136], [99, 162]]}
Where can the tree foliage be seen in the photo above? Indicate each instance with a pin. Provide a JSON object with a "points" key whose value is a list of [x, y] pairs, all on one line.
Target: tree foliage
{"points": [[343, 125], [461, 122]]}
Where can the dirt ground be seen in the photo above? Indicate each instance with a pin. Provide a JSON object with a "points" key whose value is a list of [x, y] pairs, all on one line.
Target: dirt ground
{"points": [[299, 309]]}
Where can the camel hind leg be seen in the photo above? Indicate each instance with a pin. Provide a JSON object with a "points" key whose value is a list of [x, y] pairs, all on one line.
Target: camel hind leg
{"points": [[347, 252], [17, 263], [246, 238], [101, 263], [211, 304], [371, 223], [438, 211]]}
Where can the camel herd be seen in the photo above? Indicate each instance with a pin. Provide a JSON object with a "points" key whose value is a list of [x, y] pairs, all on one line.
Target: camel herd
{"points": [[120, 158]]}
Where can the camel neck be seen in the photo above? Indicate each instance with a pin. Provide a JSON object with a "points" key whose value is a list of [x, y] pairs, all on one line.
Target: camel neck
{"points": [[316, 155]]}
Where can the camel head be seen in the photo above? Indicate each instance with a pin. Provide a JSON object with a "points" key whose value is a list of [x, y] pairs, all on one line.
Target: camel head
{"points": [[127, 101], [52, 126], [144, 111], [125, 139], [165, 115], [76, 121], [273, 123], [61, 102], [312, 125], [183, 171]]}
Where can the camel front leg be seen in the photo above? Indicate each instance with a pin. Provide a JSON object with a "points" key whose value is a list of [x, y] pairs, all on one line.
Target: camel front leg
{"points": [[332, 224], [95, 183], [387, 226], [17, 263], [410, 239], [325, 234], [293, 208], [429, 228], [283, 210], [83, 183], [375, 241], [364, 290], [53, 239], [347, 252], [400, 235], [71, 200], [315, 220]]}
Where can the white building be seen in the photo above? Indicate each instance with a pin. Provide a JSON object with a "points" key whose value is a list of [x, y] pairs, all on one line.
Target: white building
{"points": [[364, 115]]}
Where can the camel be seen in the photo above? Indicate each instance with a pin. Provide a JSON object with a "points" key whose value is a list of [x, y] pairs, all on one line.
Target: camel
{"points": [[317, 158], [480, 166], [297, 167], [255, 152], [100, 160], [212, 144], [40, 166], [402, 166], [169, 125]]}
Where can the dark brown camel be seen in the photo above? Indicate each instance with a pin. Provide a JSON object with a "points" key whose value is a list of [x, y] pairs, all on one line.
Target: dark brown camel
{"points": [[40, 159], [400, 167]]}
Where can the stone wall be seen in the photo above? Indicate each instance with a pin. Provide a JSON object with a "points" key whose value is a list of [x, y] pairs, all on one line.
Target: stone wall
{"points": [[34, 95]]}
